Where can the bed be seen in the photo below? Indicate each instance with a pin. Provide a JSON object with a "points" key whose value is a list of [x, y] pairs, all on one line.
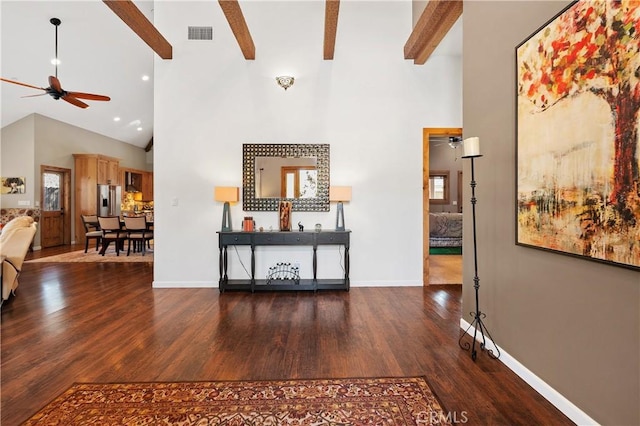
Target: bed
{"points": [[445, 229]]}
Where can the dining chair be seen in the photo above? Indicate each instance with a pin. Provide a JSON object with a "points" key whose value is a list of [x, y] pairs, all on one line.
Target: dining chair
{"points": [[111, 232], [138, 233], [91, 230]]}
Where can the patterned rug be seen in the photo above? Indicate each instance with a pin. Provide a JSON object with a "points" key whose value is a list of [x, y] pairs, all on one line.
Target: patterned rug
{"points": [[92, 256], [379, 401]]}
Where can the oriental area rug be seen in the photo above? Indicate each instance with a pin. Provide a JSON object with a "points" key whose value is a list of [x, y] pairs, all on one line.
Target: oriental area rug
{"points": [[371, 401], [93, 256]]}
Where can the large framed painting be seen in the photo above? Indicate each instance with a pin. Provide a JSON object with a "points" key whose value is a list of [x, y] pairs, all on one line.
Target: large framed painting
{"points": [[578, 97]]}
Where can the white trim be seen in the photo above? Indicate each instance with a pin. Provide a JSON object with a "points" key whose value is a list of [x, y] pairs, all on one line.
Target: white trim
{"points": [[569, 409], [385, 283], [185, 284]]}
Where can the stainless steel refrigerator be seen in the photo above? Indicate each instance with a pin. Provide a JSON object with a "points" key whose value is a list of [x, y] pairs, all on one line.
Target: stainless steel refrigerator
{"points": [[109, 199]]}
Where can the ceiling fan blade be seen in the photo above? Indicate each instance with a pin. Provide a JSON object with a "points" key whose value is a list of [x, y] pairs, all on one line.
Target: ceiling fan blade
{"points": [[74, 101], [33, 96], [89, 96], [22, 84], [54, 83]]}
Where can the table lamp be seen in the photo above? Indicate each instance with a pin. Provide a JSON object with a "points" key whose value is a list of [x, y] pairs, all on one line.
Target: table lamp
{"points": [[340, 194], [227, 194]]}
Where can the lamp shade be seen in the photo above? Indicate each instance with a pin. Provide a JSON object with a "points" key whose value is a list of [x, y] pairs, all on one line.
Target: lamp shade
{"points": [[471, 147], [339, 193], [229, 194]]}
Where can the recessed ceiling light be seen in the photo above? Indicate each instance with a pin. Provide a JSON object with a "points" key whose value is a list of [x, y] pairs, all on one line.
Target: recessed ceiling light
{"points": [[145, 77], [139, 129], [116, 118], [55, 61]]}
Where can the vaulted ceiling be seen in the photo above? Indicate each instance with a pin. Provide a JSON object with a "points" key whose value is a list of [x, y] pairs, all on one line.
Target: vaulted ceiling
{"points": [[105, 44]]}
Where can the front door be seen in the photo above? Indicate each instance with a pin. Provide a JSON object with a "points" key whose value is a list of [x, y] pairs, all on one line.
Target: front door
{"points": [[55, 204]]}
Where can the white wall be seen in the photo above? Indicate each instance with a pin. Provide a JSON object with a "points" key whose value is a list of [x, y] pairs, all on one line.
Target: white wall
{"points": [[17, 160], [368, 103]]}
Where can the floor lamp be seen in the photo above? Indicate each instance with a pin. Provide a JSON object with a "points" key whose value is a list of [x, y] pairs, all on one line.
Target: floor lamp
{"points": [[340, 194], [226, 194], [472, 151]]}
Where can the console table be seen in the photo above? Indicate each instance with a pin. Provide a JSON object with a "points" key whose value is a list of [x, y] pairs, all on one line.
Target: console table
{"points": [[280, 238]]}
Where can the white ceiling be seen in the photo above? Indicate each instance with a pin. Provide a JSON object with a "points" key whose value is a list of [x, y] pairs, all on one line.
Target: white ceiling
{"points": [[99, 54]]}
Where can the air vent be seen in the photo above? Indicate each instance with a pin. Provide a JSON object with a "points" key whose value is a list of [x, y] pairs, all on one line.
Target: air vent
{"points": [[200, 33]]}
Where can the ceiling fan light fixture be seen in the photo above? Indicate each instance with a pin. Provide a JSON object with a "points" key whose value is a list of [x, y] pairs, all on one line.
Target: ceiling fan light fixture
{"points": [[455, 141]]}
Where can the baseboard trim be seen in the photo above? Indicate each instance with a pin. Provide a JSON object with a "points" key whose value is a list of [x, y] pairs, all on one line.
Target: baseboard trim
{"points": [[184, 284], [568, 408]]}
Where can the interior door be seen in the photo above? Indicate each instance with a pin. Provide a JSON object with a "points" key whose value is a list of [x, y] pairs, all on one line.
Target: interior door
{"points": [[426, 135], [55, 225]]}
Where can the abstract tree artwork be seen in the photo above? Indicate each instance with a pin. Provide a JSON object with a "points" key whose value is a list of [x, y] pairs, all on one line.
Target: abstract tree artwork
{"points": [[578, 97]]}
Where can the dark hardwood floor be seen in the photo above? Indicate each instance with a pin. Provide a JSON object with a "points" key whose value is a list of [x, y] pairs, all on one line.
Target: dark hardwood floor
{"points": [[84, 322]]}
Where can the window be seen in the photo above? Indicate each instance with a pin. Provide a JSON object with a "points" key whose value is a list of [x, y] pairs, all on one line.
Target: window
{"points": [[299, 182], [439, 186]]}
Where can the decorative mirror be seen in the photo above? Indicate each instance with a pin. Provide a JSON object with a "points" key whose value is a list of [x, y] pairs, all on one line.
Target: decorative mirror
{"points": [[293, 172]]}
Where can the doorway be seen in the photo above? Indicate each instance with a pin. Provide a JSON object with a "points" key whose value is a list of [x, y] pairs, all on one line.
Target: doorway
{"points": [[55, 227], [427, 134]]}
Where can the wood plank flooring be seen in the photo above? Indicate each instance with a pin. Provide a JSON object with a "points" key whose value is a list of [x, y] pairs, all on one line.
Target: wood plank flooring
{"points": [[445, 269], [84, 322]]}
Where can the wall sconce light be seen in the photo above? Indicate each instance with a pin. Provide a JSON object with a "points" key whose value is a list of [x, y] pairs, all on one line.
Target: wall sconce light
{"points": [[285, 81], [226, 194], [340, 194]]}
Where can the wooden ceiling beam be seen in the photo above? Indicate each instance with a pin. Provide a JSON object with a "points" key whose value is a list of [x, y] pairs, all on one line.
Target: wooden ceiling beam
{"points": [[330, 27], [235, 18], [435, 22], [135, 19], [149, 145]]}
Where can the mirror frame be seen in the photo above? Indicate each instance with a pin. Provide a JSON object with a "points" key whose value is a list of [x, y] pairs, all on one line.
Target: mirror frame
{"points": [[249, 153]]}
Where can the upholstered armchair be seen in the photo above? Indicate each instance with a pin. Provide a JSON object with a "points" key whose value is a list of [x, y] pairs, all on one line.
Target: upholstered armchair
{"points": [[16, 237]]}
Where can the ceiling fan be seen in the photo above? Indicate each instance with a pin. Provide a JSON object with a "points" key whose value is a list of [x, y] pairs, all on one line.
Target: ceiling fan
{"points": [[55, 89], [454, 142]]}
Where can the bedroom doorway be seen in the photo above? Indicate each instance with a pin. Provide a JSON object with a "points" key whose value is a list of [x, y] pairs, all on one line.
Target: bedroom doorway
{"points": [[439, 269]]}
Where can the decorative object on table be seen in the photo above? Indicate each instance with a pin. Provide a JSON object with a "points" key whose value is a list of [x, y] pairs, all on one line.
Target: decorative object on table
{"points": [[300, 227], [318, 227], [261, 229], [226, 194], [472, 151], [578, 103], [284, 271], [248, 224], [285, 81], [13, 185], [285, 215], [340, 194]]}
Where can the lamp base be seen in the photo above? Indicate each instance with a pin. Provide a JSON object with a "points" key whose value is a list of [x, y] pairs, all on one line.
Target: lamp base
{"points": [[340, 217], [226, 218]]}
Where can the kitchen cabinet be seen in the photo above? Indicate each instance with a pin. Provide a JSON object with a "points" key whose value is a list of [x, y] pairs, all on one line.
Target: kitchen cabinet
{"points": [[135, 180], [90, 170]]}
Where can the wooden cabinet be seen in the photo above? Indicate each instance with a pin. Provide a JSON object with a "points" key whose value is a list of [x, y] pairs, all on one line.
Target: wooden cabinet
{"points": [[107, 170], [147, 186], [134, 180], [91, 170]]}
